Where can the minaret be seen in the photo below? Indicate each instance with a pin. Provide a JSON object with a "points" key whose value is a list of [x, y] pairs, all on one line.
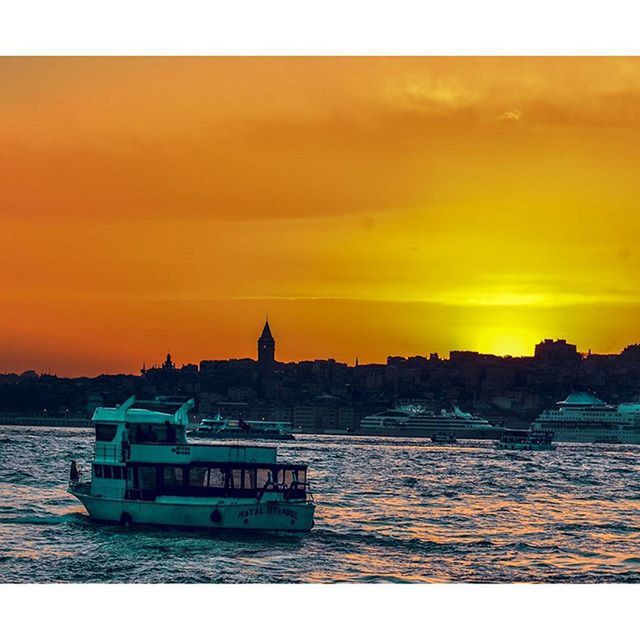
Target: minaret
{"points": [[266, 350]]}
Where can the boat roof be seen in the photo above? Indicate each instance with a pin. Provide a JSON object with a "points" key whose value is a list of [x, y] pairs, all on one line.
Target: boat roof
{"points": [[581, 399], [126, 412]]}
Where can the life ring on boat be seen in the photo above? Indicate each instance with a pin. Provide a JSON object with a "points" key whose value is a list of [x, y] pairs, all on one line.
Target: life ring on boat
{"points": [[126, 520], [215, 517]]}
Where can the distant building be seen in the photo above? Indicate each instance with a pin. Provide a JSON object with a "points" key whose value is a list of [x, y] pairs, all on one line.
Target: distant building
{"points": [[266, 350], [556, 352], [168, 364], [471, 357], [630, 354]]}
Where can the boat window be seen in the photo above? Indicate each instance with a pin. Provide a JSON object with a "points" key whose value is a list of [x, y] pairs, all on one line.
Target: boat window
{"points": [[172, 476], [235, 478], [264, 476], [97, 470], [106, 432], [142, 434], [106, 471], [249, 478], [302, 476], [198, 476], [117, 473], [165, 433], [216, 478], [146, 477], [153, 433], [290, 477], [170, 434]]}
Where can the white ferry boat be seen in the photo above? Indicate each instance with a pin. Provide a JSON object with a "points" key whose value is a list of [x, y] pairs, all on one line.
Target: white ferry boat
{"points": [[583, 417], [525, 440], [223, 428], [208, 426], [145, 472], [412, 422]]}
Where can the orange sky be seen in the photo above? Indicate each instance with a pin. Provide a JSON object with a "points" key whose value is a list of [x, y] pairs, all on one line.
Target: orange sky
{"points": [[370, 206]]}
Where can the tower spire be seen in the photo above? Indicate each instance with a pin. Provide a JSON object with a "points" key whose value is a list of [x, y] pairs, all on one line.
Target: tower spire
{"points": [[266, 349], [266, 330]]}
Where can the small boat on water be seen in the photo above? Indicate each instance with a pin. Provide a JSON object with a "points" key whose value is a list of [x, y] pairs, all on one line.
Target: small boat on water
{"points": [[444, 438], [525, 440], [222, 428], [145, 472]]}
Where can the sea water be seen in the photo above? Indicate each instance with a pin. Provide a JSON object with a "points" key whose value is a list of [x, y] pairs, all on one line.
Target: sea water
{"points": [[388, 510]]}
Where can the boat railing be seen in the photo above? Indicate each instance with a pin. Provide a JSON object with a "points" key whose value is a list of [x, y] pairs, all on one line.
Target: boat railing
{"points": [[108, 451]]}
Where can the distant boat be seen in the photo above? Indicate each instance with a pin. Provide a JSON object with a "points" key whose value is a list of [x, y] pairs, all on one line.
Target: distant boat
{"points": [[145, 472], [582, 417], [223, 428], [525, 440], [208, 427], [446, 438], [415, 422]]}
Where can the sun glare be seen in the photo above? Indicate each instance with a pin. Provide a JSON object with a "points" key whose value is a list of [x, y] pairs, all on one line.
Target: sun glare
{"points": [[507, 341]]}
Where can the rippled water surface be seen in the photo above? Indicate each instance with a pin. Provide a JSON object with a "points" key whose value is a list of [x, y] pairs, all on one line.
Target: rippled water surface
{"points": [[387, 510]]}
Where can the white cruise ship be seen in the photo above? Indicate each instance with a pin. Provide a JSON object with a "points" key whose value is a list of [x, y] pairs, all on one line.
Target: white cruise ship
{"points": [[414, 422], [584, 418]]}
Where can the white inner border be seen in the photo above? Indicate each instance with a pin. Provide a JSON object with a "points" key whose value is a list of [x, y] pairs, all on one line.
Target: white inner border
{"points": [[295, 27]]}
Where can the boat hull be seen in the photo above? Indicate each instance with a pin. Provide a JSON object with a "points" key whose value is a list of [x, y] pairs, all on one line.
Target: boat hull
{"points": [[588, 436], [220, 514]]}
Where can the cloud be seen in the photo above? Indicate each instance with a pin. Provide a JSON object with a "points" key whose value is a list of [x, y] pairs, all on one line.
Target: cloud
{"points": [[515, 115]]}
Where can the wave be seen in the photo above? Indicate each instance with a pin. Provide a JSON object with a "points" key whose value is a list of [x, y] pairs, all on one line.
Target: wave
{"points": [[43, 520], [358, 539], [16, 476]]}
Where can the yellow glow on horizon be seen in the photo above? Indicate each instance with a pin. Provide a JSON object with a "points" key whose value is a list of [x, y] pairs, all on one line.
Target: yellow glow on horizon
{"points": [[507, 341]]}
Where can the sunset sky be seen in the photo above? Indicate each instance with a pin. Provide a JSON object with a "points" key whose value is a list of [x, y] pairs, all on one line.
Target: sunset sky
{"points": [[369, 206]]}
